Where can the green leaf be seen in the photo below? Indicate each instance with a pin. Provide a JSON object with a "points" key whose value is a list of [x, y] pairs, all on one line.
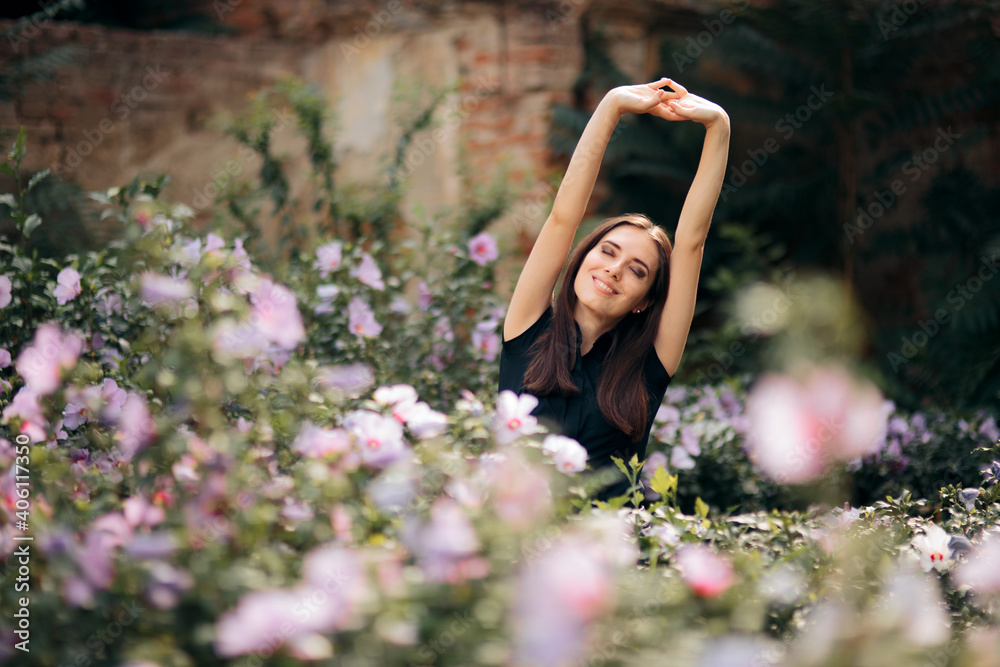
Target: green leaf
{"points": [[8, 199], [617, 502], [700, 507], [37, 178], [31, 224], [17, 152], [663, 483], [621, 465], [7, 169], [634, 462]]}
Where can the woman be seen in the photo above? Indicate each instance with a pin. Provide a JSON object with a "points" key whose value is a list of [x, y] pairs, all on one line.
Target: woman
{"points": [[600, 358]]}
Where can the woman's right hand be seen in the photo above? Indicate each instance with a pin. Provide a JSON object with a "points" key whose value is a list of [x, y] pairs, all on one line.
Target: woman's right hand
{"points": [[643, 97]]}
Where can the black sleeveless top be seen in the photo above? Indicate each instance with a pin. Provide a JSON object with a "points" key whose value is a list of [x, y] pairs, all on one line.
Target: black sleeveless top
{"points": [[578, 415]]}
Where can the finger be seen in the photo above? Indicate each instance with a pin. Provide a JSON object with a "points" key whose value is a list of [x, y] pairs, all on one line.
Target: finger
{"points": [[656, 85], [681, 90]]}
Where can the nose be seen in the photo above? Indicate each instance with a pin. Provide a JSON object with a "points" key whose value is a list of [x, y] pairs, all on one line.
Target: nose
{"points": [[613, 269]]}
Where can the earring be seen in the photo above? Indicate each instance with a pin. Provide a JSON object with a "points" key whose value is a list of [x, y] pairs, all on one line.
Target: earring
{"points": [[638, 310]]}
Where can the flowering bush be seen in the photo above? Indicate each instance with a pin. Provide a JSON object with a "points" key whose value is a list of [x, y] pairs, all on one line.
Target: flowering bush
{"points": [[221, 465]]}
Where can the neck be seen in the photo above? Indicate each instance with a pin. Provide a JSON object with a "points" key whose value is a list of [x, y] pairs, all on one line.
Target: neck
{"points": [[592, 326]]}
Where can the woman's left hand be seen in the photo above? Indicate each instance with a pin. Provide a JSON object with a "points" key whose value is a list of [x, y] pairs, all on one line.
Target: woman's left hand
{"points": [[688, 106]]}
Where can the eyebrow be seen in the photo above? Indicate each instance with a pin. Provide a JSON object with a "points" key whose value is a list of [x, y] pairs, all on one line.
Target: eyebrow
{"points": [[635, 259]]}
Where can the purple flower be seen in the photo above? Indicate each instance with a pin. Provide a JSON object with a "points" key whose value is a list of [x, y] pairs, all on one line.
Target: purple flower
{"points": [[328, 258], [68, 287], [487, 343], [49, 354], [483, 249], [368, 272], [425, 296], [158, 289], [254, 624], [25, 406], [5, 291], [4, 358], [444, 543], [361, 319]]}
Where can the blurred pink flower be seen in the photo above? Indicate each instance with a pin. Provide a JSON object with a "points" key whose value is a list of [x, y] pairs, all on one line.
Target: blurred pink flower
{"points": [[558, 595], [26, 407], [4, 358], [569, 455], [136, 428], [157, 290], [50, 353], [349, 378], [361, 319], [256, 624], [424, 295], [114, 398], [328, 258], [394, 394], [316, 442], [379, 439], [82, 406], [5, 291], [421, 419], [68, 287], [368, 272], [513, 416], [486, 343], [276, 315], [140, 512], [518, 491], [483, 249], [982, 571], [798, 428], [707, 573], [444, 543]]}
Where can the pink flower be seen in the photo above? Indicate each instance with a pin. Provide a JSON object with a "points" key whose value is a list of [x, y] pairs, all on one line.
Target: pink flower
{"points": [[49, 354], [5, 291], [706, 572], [349, 378], [82, 406], [254, 624], [513, 416], [569, 455], [443, 544], [316, 442], [422, 421], [798, 428], [424, 295], [276, 315], [361, 319], [114, 399], [379, 439], [395, 394], [68, 287], [559, 594], [136, 428], [519, 492], [328, 258], [483, 249], [487, 343], [158, 289], [368, 272], [140, 512], [25, 406], [4, 358]]}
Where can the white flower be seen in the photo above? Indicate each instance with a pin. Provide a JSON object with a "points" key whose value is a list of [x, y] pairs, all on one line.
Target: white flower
{"points": [[933, 547], [513, 416]]}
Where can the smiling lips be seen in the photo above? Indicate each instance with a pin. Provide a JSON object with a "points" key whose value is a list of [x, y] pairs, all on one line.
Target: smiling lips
{"points": [[603, 287]]}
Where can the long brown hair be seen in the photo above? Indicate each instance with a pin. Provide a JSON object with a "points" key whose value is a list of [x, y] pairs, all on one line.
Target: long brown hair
{"points": [[621, 391]]}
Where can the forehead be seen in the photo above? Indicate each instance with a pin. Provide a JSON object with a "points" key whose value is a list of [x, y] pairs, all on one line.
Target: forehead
{"points": [[635, 242]]}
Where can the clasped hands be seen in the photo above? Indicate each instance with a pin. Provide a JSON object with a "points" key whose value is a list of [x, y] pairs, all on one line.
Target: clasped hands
{"points": [[674, 104]]}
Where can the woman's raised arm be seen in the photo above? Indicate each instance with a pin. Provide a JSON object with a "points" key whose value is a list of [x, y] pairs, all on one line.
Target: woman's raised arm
{"points": [[533, 292], [692, 227]]}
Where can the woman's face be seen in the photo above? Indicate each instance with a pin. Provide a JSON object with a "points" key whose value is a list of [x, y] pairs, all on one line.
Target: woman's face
{"points": [[617, 273]]}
